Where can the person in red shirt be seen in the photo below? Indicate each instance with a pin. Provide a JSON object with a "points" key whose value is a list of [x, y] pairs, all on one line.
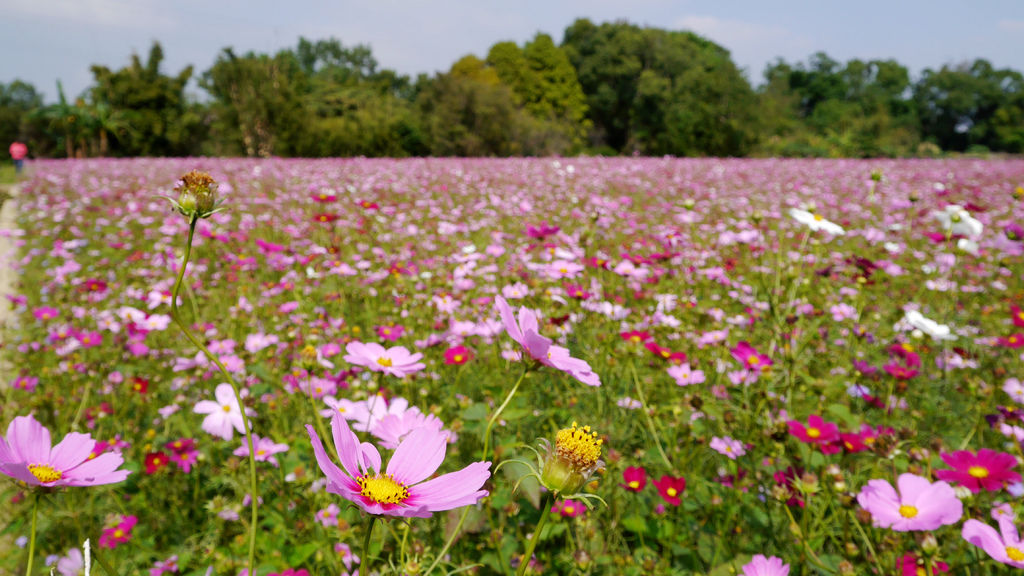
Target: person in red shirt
{"points": [[18, 152]]}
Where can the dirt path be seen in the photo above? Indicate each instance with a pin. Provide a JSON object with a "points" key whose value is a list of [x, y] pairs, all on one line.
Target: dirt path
{"points": [[8, 253]]}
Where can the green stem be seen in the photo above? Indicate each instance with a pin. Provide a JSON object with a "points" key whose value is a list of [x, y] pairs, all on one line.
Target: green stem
{"points": [[497, 414], [364, 566], [647, 415], [545, 508], [32, 538], [81, 405], [487, 443], [176, 316]]}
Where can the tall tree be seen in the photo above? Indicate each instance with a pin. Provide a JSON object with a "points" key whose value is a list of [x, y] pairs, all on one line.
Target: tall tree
{"points": [[144, 111]]}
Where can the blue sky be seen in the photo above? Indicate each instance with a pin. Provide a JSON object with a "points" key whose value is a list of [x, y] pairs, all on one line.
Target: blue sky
{"points": [[45, 40]]}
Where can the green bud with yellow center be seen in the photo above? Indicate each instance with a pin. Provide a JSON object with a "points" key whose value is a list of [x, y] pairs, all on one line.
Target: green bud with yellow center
{"points": [[575, 456]]}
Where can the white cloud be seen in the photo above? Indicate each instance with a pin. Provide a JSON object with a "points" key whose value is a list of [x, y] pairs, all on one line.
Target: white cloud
{"points": [[145, 14], [1015, 26]]}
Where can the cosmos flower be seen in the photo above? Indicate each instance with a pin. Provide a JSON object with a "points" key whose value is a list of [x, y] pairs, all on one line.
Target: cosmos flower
{"points": [[223, 414], [919, 504], [525, 331], [914, 320], [958, 221], [265, 449], [396, 361], [671, 488], [818, 431], [728, 447], [815, 222], [119, 533], [399, 489], [635, 478], [568, 465], [27, 454], [751, 359], [760, 565], [986, 470], [1004, 546]]}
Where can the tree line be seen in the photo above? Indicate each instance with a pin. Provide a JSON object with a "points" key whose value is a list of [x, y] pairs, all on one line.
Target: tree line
{"points": [[610, 88]]}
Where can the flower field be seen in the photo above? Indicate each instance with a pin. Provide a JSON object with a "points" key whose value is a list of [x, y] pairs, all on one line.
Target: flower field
{"points": [[572, 366]]}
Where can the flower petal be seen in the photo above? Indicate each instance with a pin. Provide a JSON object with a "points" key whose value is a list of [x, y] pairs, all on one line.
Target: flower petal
{"points": [[418, 456], [28, 440], [71, 451], [452, 490]]}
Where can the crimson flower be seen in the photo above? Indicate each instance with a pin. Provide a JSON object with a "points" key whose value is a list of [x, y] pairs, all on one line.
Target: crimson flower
{"points": [[635, 478], [156, 461], [986, 470], [1012, 341], [635, 336], [671, 488], [457, 355], [818, 431]]}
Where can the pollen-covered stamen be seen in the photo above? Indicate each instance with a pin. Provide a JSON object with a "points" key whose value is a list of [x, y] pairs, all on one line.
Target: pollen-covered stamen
{"points": [[45, 473], [579, 446], [383, 489], [384, 361]]}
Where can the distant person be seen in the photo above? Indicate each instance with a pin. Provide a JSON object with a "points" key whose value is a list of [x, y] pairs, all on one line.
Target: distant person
{"points": [[18, 152]]}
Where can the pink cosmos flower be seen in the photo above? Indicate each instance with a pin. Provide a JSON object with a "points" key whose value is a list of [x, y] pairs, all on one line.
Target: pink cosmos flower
{"points": [[818, 431], [751, 359], [526, 332], [223, 415], [1004, 546], [329, 516], [390, 333], [399, 489], [118, 534], [391, 429], [265, 449], [729, 447], [764, 566], [919, 504], [396, 361], [569, 508], [27, 454], [684, 375], [986, 470], [161, 567], [457, 355]]}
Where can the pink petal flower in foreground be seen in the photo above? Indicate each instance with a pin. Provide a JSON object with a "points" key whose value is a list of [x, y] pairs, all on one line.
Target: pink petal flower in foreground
{"points": [[525, 331], [401, 489], [761, 566], [396, 361], [1004, 546], [27, 454], [919, 504]]}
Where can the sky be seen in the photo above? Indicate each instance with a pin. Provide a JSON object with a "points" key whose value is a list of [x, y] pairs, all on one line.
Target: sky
{"points": [[43, 41]]}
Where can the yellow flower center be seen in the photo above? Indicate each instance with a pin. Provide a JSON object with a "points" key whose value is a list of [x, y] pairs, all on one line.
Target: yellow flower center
{"points": [[226, 408], [569, 510], [753, 359], [382, 489], [978, 471], [118, 533], [1015, 554], [384, 361], [45, 473], [458, 358], [818, 217], [634, 484], [579, 446], [671, 492], [908, 511], [813, 433]]}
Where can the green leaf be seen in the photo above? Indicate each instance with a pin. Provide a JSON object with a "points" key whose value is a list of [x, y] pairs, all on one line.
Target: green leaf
{"points": [[476, 411], [299, 554], [635, 524]]}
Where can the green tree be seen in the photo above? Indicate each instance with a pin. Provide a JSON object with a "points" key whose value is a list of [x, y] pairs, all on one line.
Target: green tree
{"points": [[257, 102], [142, 111], [659, 92], [17, 100]]}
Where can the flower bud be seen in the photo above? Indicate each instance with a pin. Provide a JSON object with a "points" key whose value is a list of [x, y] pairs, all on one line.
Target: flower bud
{"points": [[575, 456], [197, 196]]}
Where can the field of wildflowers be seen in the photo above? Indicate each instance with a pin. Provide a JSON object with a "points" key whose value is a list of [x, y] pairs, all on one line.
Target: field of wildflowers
{"points": [[572, 366]]}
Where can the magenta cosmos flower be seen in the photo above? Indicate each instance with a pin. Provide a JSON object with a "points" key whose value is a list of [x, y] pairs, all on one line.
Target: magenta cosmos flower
{"points": [[919, 504], [27, 454], [1004, 546], [986, 470], [763, 566], [818, 431], [398, 490], [396, 361], [526, 331]]}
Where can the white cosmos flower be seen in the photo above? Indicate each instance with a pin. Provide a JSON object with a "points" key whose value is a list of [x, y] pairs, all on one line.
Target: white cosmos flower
{"points": [[967, 245], [914, 320], [816, 222], [955, 219]]}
